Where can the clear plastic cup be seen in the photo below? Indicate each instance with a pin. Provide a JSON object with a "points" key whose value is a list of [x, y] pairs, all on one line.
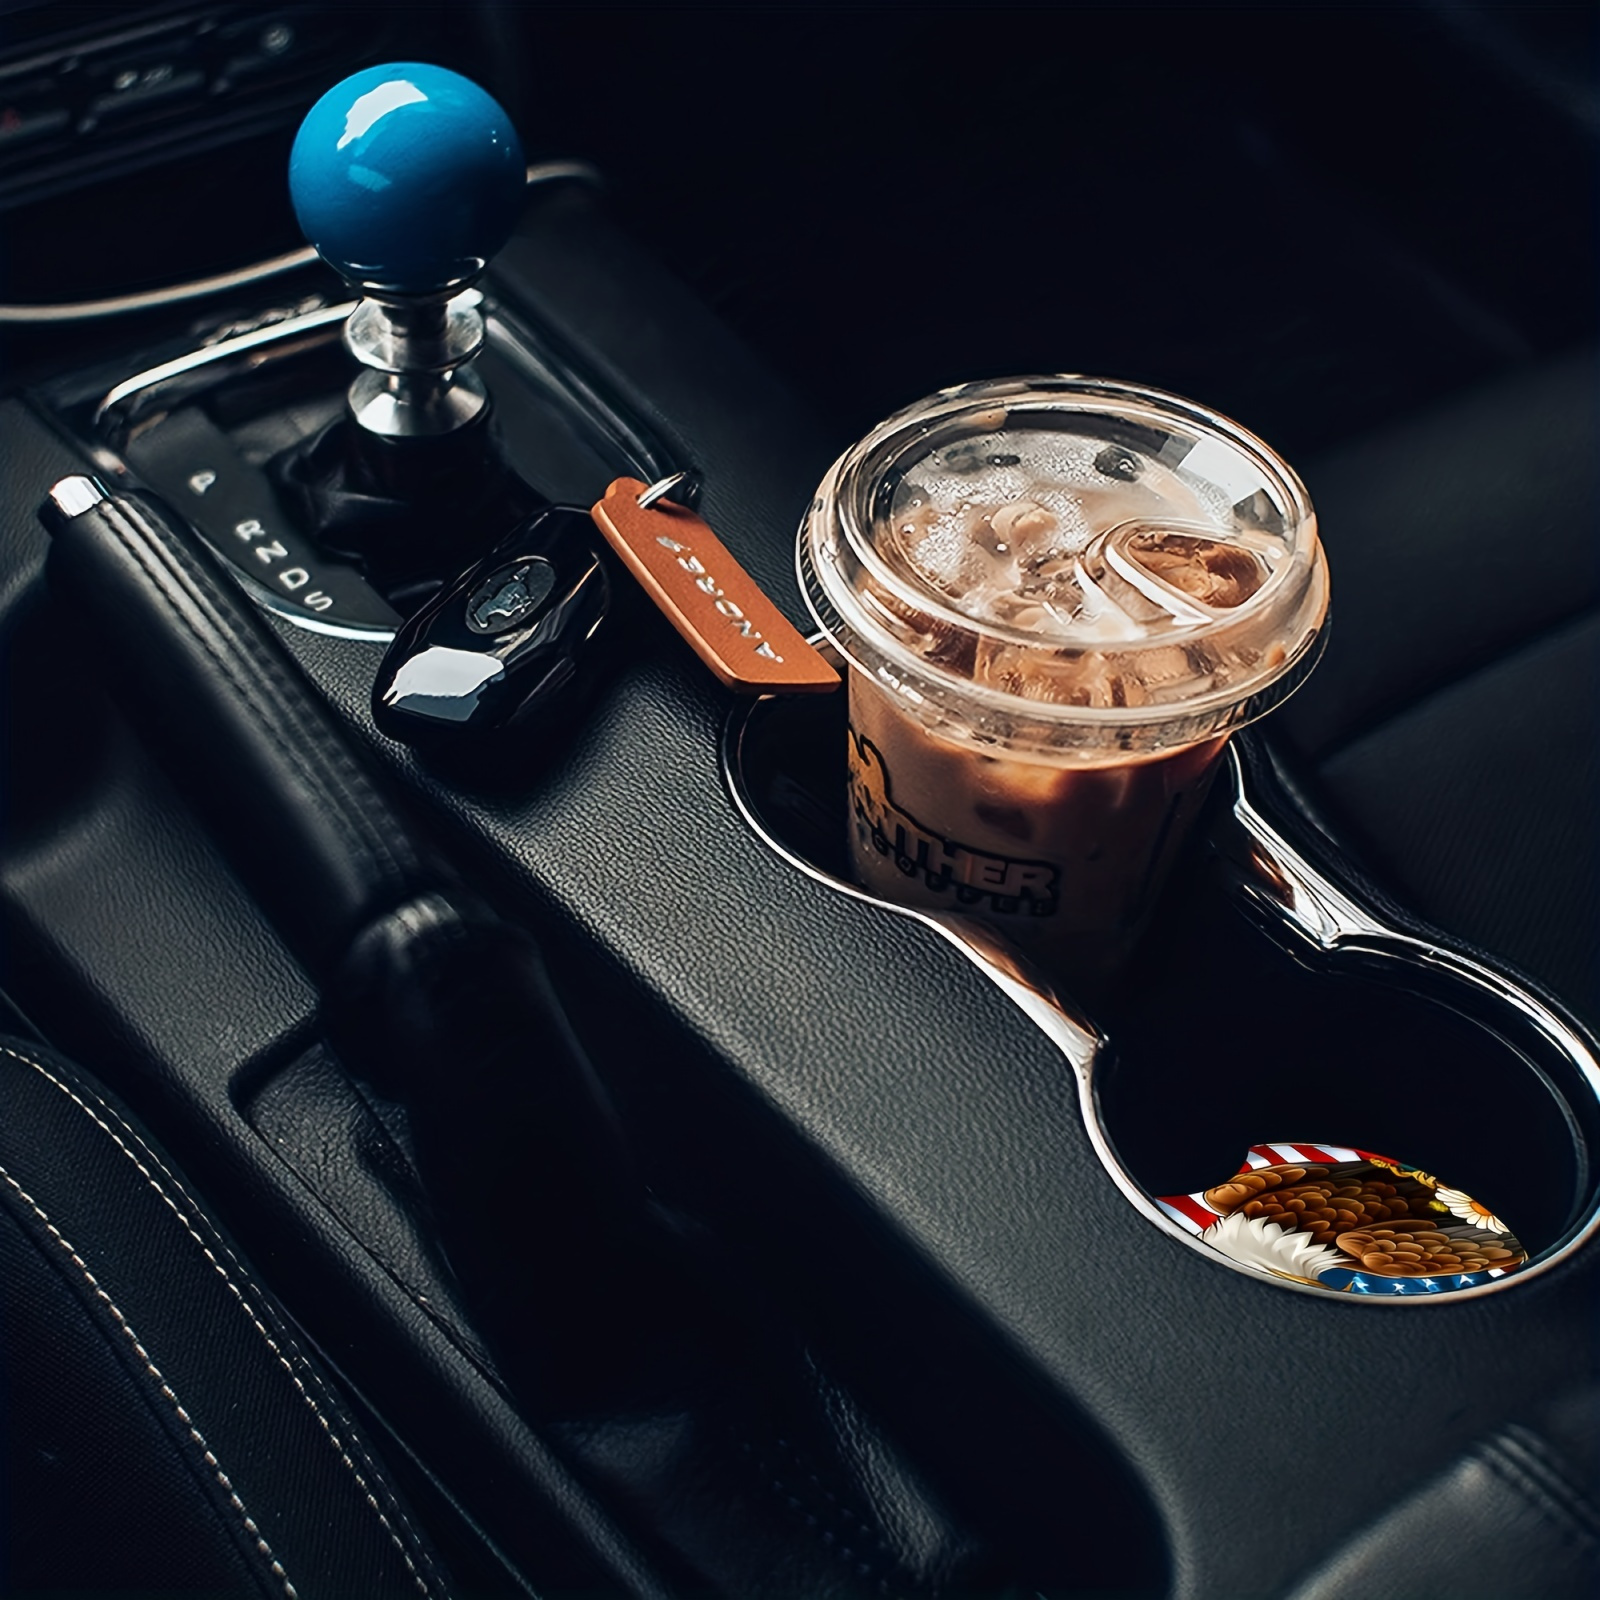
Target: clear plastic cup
{"points": [[1057, 597]]}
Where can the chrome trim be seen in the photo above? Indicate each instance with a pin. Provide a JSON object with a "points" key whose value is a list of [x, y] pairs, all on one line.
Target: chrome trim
{"points": [[324, 320], [423, 405], [1076, 1037], [177, 294], [74, 495], [1308, 914], [268, 601], [573, 168], [431, 334], [1303, 910], [416, 354], [243, 344], [524, 349], [521, 348], [1321, 925]]}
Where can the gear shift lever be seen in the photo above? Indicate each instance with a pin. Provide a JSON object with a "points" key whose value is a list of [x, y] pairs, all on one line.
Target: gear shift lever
{"points": [[406, 179]]}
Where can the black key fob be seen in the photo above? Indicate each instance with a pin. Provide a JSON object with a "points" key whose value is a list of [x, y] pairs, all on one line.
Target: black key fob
{"points": [[506, 645]]}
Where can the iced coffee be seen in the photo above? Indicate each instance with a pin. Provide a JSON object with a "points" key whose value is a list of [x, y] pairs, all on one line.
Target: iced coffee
{"points": [[1057, 598]]}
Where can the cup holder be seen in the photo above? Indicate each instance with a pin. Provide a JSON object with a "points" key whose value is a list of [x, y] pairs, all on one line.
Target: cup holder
{"points": [[1317, 1015]]}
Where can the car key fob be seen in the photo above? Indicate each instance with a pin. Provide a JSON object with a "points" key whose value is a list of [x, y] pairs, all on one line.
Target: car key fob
{"points": [[504, 645]]}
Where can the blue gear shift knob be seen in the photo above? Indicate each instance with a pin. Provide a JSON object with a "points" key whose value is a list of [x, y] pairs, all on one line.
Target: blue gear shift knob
{"points": [[407, 178]]}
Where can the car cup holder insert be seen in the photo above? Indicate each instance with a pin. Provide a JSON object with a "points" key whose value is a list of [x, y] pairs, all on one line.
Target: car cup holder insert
{"points": [[1459, 1107]]}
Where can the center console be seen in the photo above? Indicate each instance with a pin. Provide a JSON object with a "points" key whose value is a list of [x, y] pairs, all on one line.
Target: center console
{"points": [[925, 1320]]}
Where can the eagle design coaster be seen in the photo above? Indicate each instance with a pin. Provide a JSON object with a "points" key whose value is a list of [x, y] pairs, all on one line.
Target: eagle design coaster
{"points": [[1349, 1220]]}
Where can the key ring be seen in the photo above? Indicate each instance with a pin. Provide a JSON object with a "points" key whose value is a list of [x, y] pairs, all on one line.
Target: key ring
{"points": [[664, 486]]}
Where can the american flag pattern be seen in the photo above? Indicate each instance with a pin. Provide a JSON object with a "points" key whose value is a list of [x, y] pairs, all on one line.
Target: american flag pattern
{"points": [[1191, 1213]]}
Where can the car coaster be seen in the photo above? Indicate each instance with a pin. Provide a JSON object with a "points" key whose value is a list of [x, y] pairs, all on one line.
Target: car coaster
{"points": [[1349, 1220]]}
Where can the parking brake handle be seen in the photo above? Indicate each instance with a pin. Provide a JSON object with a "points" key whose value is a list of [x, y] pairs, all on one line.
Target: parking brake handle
{"points": [[427, 991]]}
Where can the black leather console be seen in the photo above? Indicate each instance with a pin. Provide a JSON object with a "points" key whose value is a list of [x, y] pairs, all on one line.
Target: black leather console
{"points": [[960, 1358]]}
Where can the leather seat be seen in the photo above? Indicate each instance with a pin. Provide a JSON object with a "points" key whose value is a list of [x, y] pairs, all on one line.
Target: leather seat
{"points": [[165, 1432], [1453, 733], [1513, 1516], [1454, 725]]}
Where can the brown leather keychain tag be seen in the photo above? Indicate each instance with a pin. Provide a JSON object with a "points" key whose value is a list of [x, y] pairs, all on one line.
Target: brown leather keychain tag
{"points": [[708, 597]]}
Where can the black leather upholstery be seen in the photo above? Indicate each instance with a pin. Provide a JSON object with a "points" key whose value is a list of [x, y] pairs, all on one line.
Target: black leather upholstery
{"points": [[894, 1147], [165, 1431], [1516, 1517], [656, 1379], [1455, 539], [1454, 722], [185, 645], [137, 949], [911, 1180]]}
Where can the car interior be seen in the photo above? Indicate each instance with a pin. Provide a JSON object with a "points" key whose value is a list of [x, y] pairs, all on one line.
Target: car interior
{"points": [[470, 1134]]}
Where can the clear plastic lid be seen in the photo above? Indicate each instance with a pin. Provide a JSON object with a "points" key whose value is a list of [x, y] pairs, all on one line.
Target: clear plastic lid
{"points": [[1068, 566]]}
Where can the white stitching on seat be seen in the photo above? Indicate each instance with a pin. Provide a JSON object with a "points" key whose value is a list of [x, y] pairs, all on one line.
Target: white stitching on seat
{"points": [[244, 1305], [122, 1322]]}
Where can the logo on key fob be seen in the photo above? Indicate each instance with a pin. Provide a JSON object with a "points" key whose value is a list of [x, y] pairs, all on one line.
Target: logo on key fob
{"points": [[510, 595]]}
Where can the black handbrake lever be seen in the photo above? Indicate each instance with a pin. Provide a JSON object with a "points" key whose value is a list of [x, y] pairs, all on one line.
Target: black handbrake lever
{"points": [[427, 991]]}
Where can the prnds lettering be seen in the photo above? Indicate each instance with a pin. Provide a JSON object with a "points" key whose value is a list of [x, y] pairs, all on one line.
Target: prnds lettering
{"points": [[972, 877], [726, 605]]}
